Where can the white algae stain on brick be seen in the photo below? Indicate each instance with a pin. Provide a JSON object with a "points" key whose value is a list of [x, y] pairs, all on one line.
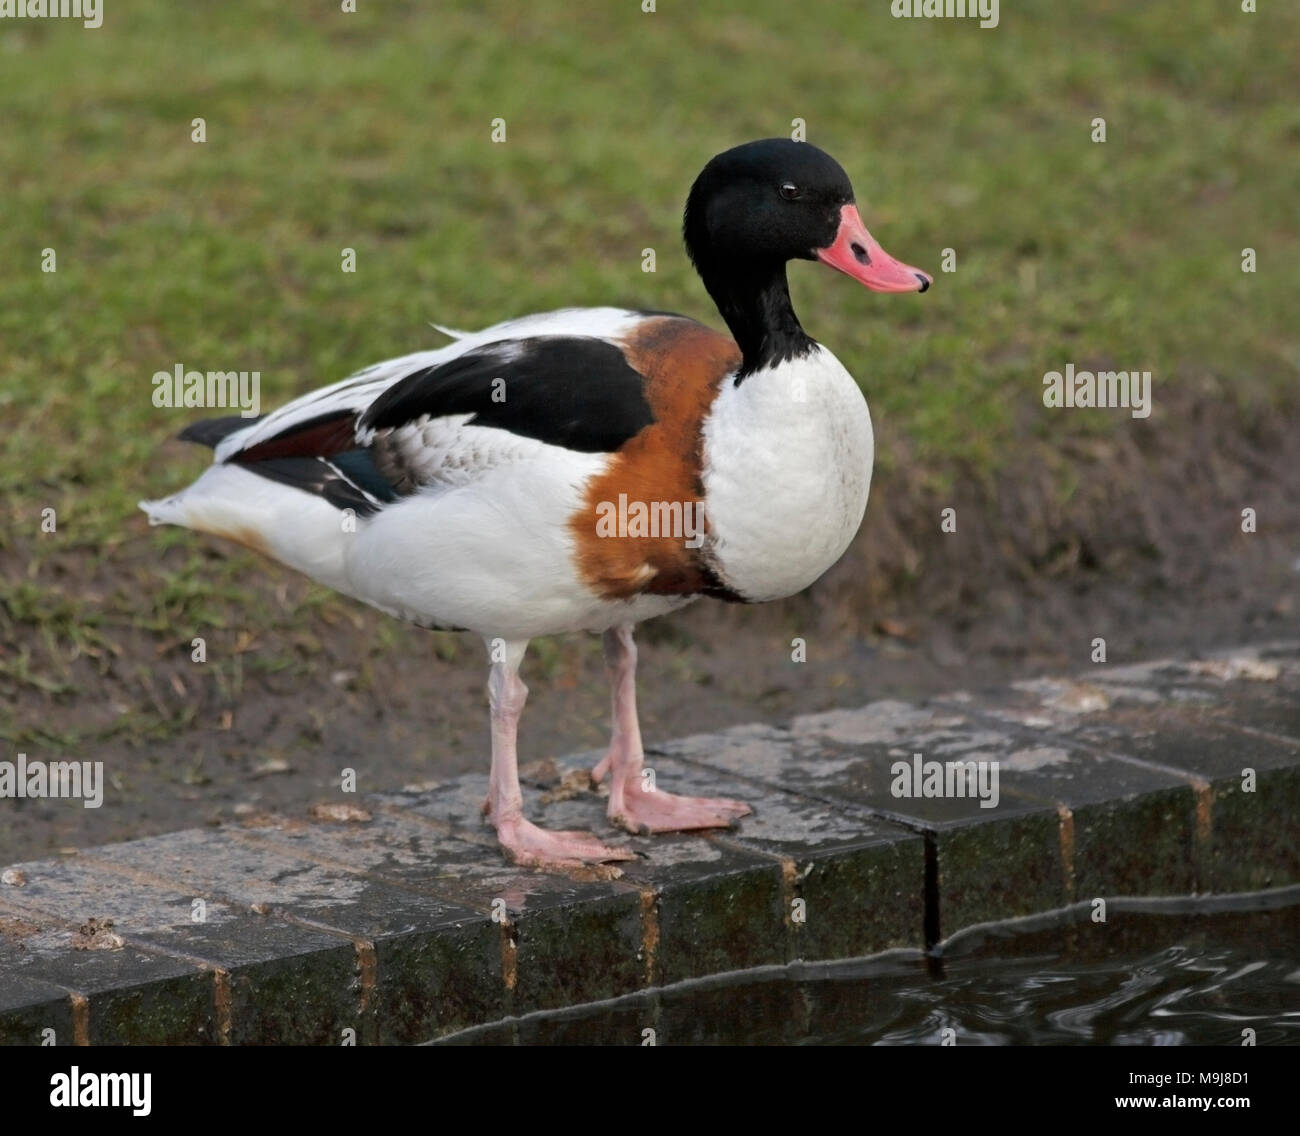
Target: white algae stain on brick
{"points": [[1035, 757], [886, 722]]}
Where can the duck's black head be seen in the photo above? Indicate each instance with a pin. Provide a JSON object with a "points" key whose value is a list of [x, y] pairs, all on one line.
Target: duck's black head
{"points": [[760, 205]]}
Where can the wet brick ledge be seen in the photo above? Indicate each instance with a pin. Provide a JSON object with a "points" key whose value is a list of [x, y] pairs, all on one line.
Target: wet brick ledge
{"points": [[394, 917]]}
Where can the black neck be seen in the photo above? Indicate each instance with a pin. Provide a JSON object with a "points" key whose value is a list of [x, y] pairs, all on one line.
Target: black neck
{"points": [[755, 302]]}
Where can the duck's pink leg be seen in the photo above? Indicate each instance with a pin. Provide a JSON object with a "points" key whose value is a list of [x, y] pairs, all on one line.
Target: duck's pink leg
{"points": [[634, 803], [613, 653], [615, 665], [523, 842]]}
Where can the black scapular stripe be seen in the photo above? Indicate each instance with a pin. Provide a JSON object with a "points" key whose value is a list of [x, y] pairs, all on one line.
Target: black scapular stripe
{"points": [[565, 390]]}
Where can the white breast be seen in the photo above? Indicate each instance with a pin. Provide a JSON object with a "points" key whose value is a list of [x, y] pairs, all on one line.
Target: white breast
{"points": [[787, 470]]}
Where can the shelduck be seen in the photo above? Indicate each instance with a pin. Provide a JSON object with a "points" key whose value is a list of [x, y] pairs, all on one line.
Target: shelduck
{"points": [[583, 470]]}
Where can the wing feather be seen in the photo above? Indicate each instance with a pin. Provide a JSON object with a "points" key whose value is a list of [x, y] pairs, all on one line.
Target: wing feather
{"points": [[443, 417]]}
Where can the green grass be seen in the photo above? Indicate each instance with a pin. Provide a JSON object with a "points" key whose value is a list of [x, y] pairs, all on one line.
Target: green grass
{"points": [[372, 131]]}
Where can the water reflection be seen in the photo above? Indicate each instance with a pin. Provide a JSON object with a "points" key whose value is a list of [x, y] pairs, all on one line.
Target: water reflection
{"points": [[1156, 972]]}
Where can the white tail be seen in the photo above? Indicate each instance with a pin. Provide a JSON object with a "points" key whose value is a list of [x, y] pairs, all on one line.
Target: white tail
{"points": [[298, 529]]}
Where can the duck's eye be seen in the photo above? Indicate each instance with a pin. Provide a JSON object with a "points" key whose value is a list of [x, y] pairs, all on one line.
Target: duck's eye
{"points": [[790, 191]]}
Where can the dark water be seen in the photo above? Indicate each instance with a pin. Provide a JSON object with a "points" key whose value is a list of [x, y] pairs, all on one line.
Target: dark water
{"points": [[1200, 988], [1156, 972]]}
